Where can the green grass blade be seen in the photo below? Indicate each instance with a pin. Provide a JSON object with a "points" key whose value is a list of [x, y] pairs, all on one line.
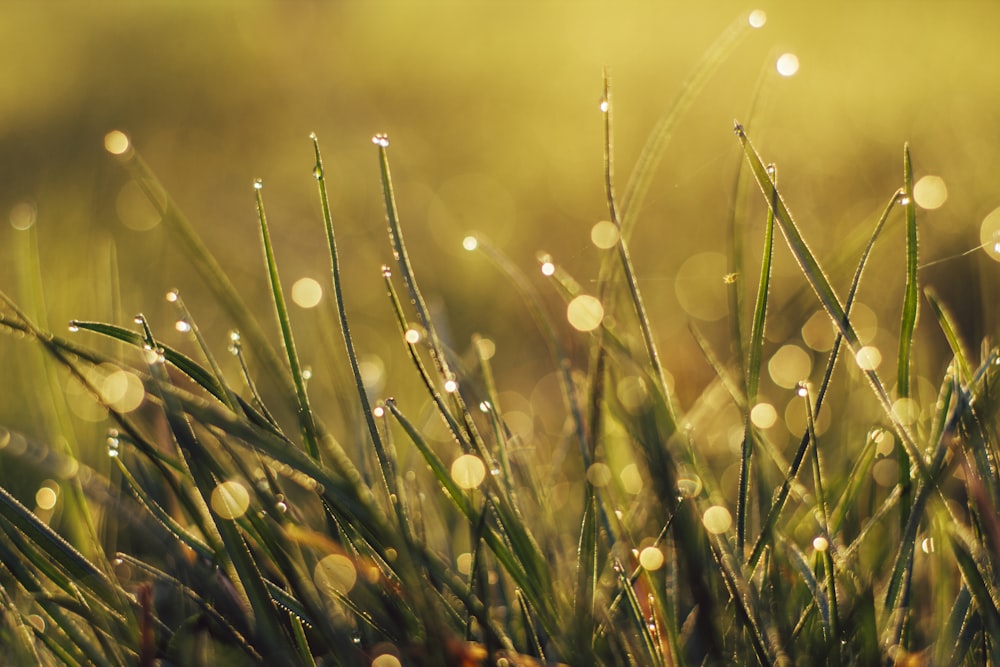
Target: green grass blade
{"points": [[753, 364], [83, 571], [908, 320], [947, 324], [818, 280], [207, 266], [319, 173], [586, 580], [307, 422], [978, 578]]}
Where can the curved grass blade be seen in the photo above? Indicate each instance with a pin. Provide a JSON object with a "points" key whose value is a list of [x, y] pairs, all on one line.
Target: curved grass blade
{"points": [[403, 261], [947, 324], [307, 422], [652, 152], [60, 552], [586, 581], [388, 471], [818, 280], [207, 266]]}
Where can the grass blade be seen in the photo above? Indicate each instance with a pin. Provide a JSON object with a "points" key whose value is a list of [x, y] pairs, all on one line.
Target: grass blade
{"points": [[307, 422]]}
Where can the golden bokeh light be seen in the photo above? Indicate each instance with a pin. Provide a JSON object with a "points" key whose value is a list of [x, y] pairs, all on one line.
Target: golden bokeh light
{"points": [[599, 474], [789, 365], [631, 479], [763, 415], [134, 209], [468, 471], [116, 142], [700, 289], [604, 234], [868, 358], [757, 18], [585, 313], [989, 234], [230, 500], [23, 215], [651, 558], [47, 495], [930, 192], [788, 64], [335, 574], [307, 293], [717, 519]]}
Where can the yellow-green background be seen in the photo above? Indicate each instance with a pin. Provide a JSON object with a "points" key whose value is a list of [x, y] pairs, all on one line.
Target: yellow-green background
{"points": [[492, 109]]}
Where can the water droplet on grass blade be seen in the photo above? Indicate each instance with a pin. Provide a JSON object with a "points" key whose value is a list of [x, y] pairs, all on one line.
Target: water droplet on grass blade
{"points": [[182, 326], [470, 243], [258, 184], [113, 443], [381, 139], [788, 64], [605, 105], [317, 172], [116, 142], [757, 18], [73, 326]]}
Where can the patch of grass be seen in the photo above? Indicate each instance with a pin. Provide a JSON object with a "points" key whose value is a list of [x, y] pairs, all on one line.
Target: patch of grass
{"points": [[217, 535]]}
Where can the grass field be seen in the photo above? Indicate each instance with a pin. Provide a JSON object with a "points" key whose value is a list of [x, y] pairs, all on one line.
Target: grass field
{"points": [[741, 437]]}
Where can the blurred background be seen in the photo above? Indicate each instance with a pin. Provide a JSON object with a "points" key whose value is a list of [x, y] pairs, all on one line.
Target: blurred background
{"points": [[492, 111]]}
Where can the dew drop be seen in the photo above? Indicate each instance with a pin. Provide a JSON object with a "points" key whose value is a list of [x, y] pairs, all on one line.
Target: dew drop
{"points": [[139, 319], [802, 389], [113, 443], [317, 172], [116, 142], [788, 64], [484, 406], [548, 268], [378, 411], [820, 543], [604, 105], [234, 336], [386, 271], [173, 295], [182, 326], [470, 243], [381, 139], [902, 199], [757, 18], [307, 373], [451, 386], [258, 184], [73, 326]]}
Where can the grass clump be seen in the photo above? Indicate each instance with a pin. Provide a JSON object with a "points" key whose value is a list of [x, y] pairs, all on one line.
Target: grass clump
{"points": [[212, 533]]}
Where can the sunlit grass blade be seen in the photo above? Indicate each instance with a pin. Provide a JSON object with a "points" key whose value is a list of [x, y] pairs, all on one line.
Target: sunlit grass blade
{"points": [[215, 278], [524, 573], [307, 422], [402, 258], [652, 152], [83, 571], [754, 350], [533, 301], [320, 175], [948, 327], [586, 580], [978, 577]]}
